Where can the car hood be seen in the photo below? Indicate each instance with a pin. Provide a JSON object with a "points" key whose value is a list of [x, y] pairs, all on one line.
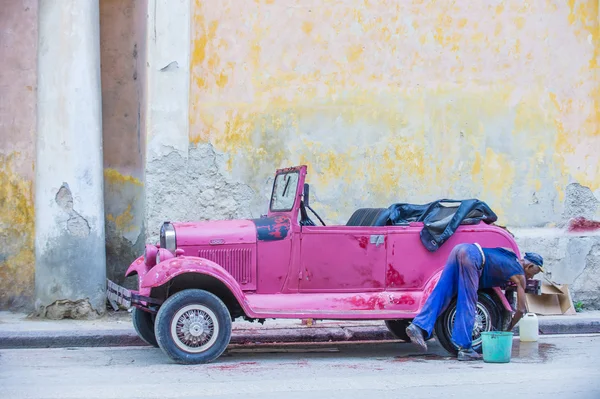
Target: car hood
{"points": [[217, 232]]}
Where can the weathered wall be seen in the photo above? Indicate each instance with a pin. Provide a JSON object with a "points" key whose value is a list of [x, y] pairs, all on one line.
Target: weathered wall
{"points": [[409, 101], [385, 102], [18, 44], [123, 47], [70, 255]]}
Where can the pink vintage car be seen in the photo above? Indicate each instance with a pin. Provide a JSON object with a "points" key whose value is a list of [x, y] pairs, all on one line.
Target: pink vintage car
{"points": [[204, 275]]}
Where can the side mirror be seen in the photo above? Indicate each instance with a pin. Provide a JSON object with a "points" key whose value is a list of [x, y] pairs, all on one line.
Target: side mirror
{"points": [[306, 195]]}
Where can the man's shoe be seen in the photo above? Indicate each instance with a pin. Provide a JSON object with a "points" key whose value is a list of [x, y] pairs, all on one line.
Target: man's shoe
{"points": [[416, 336], [468, 354]]}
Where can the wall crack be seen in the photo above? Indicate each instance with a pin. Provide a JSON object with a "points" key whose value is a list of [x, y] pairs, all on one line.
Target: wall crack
{"points": [[77, 225]]}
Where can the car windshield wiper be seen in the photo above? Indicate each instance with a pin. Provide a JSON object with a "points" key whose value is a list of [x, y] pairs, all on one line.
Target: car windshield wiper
{"points": [[287, 183]]}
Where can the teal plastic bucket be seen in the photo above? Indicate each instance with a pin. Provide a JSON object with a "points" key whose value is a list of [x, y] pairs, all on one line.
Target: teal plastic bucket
{"points": [[497, 346]]}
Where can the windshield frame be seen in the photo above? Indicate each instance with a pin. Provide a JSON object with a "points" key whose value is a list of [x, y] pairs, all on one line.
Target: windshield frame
{"points": [[291, 191]]}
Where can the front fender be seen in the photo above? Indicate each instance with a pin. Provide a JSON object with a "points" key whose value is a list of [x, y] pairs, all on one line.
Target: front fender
{"points": [[171, 268], [138, 266]]}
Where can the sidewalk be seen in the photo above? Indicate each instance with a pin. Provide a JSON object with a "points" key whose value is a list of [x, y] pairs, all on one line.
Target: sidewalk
{"points": [[116, 329]]}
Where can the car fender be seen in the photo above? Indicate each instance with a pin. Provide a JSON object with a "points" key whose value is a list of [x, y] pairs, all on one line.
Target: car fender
{"points": [[436, 277], [502, 298], [429, 287], [171, 268], [137, 266]]}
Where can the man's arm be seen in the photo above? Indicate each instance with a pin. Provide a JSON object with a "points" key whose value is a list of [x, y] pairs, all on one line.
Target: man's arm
{"points": [[519, 280]]}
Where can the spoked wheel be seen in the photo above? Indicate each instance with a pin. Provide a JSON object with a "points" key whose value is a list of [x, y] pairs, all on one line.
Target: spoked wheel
{"points": [[488, 317], [193, 326], [398, 329]]}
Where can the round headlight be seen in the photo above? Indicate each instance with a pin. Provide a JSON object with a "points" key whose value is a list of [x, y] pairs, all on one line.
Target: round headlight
{"points": [[167, 237]]}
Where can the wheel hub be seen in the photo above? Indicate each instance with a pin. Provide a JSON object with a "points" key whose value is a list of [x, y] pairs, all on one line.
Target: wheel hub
{"points": [[196, 329]]}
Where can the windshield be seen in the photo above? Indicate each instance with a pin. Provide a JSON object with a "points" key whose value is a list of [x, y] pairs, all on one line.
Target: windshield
{"points": [[284, 192]]}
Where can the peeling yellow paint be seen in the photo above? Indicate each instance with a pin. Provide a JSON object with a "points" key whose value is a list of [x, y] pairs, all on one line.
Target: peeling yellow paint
{"points": [[428, 100], [124, 221], [17, 226], [113, 176], [307, 27], [520, 22], [354, 52]]}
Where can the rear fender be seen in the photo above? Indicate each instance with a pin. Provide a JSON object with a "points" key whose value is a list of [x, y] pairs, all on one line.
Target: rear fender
{"points": [[171, 268], [505, 304], [430, 286], [436, 277]]}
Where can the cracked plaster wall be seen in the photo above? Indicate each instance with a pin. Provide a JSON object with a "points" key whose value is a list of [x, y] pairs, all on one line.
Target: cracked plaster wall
{"points": [[384, 104], [70, 257]]}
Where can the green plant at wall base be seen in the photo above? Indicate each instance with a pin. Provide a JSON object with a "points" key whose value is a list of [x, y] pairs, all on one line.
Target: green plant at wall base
{"points": [[578, 306]]}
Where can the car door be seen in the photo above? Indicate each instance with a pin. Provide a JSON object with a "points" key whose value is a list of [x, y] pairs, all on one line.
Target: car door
{"points": [[342, 259]]}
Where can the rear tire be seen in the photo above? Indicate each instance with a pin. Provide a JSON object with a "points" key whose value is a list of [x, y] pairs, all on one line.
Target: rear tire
{"points": [[489, 318], [143, 322], [193, 326]]}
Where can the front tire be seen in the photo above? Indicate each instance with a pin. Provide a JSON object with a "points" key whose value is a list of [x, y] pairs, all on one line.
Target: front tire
{"points": [[489, 317], [193, 326], [143, 322]]}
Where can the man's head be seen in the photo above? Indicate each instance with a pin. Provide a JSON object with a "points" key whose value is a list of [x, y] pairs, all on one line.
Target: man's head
{"points": [[532, 264]]}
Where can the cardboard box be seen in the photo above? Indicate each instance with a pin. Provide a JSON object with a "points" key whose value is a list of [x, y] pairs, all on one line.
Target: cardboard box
{"points": [[554, 300]]}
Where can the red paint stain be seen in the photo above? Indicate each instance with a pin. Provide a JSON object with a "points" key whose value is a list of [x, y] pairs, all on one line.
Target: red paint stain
{"points": [[276, 234], [367, 304], [363, 241], [404, 300], [583, 225], [393, 278]]}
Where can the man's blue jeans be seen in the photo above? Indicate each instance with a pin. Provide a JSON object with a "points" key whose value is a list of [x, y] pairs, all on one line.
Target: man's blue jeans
{"points": [[460, 276]]}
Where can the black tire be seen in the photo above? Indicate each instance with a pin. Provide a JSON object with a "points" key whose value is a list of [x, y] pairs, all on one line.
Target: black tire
{"points": [[398, 329], [195, 303], [364, 217], [486, 309], [143, 322]]}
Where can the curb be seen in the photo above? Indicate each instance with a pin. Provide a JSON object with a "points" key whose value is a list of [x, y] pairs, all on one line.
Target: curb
{"points": [[128, 337]]}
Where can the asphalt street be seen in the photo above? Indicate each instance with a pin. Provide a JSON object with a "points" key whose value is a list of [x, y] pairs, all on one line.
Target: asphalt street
{"points": [[555, 367]]}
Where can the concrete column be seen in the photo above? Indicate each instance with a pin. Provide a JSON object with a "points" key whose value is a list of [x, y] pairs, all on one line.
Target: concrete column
{"points": [[167, 117], [69, 208]]}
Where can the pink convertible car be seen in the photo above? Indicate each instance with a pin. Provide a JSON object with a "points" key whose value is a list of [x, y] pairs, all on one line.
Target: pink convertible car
{"points": [[204, 275]]}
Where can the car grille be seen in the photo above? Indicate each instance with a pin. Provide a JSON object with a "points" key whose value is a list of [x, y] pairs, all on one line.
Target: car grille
{"points": [[236, 261]]}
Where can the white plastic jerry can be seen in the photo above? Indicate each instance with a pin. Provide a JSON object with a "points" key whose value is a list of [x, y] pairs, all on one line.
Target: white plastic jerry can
{"points": [[528, 328]]}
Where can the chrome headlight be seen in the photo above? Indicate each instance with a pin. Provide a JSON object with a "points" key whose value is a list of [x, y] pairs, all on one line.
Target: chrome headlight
{"points": [[167, 237]]}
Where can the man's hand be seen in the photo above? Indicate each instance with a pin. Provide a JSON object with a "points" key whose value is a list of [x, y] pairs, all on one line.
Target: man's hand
{"points": [[519, 280]]}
